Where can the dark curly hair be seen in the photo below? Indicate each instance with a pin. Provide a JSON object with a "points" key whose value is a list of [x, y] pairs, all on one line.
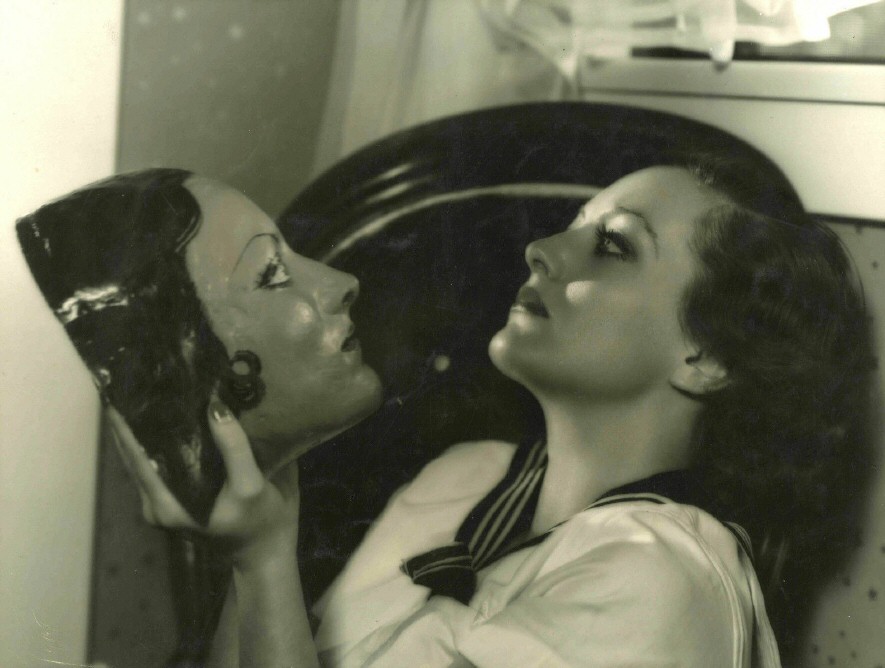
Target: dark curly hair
{"points": [[785, 445], [109, 259]]}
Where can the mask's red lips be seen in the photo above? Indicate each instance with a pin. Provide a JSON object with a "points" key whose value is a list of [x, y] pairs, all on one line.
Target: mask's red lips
{"points": [[529, 299]]}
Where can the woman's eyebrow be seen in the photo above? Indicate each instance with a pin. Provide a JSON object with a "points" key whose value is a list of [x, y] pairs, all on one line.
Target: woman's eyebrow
{"points": [[269, 235]]}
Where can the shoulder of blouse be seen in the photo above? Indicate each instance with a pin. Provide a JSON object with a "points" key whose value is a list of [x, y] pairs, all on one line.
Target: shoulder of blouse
{"points": [[465, 469], [643, 522], [648, 546]]}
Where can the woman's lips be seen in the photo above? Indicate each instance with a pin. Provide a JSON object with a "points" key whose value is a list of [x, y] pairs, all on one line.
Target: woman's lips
{"points": [[529, 300]]}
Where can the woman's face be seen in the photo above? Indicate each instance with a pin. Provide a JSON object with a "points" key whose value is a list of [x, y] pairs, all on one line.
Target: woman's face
{"points": [[599, 315], [292, 312]]}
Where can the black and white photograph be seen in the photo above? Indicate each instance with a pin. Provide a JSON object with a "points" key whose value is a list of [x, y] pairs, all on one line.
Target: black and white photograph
{"points": [[442, 333]]}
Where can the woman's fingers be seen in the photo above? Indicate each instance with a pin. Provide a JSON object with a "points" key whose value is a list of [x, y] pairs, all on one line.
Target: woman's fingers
{"points": [[243, 475], [159, 506], [245, 480]]}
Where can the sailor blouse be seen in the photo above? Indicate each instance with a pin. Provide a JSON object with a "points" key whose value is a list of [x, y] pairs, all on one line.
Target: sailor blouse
{"points": [[636, 579]]}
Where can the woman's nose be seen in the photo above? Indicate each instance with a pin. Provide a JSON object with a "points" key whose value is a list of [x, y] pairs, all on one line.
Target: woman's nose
{"points": [[543, 258]]}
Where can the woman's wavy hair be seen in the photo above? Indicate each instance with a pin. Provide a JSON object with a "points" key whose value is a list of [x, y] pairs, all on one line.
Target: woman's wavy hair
{"points": [[785, 445], [109, 259]]}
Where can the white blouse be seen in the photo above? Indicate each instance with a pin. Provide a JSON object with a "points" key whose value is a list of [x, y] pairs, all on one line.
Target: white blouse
{"points": [[635, 583]]}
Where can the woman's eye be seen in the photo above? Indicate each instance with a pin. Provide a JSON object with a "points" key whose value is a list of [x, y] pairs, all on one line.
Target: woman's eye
{"points": [[612, 244], [274, 275]]}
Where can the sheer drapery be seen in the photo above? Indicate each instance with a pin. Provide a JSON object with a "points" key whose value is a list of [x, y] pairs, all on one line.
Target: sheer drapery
{"points": [[567, 31], [402, 62]]}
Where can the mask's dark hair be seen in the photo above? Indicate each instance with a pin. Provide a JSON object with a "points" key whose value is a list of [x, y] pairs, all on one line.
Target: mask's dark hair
{"points": [[109, 260], [785, 445]]}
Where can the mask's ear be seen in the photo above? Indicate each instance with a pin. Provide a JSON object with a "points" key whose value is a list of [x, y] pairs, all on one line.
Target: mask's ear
{"points": [[699, 375]]}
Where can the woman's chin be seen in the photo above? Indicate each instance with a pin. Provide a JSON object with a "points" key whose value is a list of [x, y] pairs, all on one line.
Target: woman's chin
{"points": [[503, 354], [519, 360]]}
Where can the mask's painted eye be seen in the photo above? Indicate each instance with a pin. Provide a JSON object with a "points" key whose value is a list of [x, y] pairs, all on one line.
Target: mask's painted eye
{"points": [[610, 244], [274, 275]]}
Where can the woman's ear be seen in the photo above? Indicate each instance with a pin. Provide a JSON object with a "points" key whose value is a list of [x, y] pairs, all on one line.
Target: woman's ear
{"points": [[699, 375]]}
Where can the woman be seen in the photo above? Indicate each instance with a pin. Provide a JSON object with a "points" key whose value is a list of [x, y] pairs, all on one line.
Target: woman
{"points": [[702, 371]]}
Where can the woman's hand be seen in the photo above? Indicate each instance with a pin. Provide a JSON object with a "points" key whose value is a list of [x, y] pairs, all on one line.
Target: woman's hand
{"points": [[253, 519], [256, 522]]}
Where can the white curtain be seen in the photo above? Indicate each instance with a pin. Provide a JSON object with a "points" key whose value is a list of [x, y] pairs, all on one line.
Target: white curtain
{"points": [[402, 62], [567, 31]]}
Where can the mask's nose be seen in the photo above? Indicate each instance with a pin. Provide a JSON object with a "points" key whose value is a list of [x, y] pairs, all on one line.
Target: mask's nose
{"points": [[351, 292], [340, 291]]}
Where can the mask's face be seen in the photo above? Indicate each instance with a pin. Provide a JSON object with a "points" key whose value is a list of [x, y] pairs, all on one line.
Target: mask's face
{"points": [[292, 312], [599, 315]]}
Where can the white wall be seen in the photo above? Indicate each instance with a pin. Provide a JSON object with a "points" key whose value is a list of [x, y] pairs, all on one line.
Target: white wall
{"points": [[231, 89], [821, 123], [59, 71]]}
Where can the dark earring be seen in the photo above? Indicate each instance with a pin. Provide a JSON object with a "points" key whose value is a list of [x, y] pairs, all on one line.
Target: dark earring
{"points": [[243, 380]]}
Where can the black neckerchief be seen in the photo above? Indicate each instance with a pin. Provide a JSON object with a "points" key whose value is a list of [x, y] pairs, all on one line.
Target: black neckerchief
{"points": [[488, 532]]}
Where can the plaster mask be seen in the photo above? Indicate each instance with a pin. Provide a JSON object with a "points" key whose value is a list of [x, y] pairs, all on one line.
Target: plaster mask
{"points": [[290, 311]]}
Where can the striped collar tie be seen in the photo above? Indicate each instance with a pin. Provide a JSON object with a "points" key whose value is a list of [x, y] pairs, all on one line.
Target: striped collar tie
{"points": [[507, 511]]}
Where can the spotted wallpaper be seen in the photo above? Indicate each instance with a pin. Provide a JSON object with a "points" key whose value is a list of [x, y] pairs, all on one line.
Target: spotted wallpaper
{"points": [[849, 627]]}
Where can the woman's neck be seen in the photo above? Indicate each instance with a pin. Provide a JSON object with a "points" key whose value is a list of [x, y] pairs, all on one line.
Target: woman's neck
{"points": [[593, 447]]}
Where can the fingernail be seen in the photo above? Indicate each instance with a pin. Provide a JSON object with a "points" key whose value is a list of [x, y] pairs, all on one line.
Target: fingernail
{"points": [[154, 465], [219, 412]]}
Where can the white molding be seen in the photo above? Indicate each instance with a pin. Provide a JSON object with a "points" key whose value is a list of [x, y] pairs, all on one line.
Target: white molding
{"points": [[840, 83]]}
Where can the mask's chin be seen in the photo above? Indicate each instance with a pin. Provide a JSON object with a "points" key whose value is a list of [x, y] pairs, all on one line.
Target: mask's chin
{"points": [[276, 442], [275, 446]]}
